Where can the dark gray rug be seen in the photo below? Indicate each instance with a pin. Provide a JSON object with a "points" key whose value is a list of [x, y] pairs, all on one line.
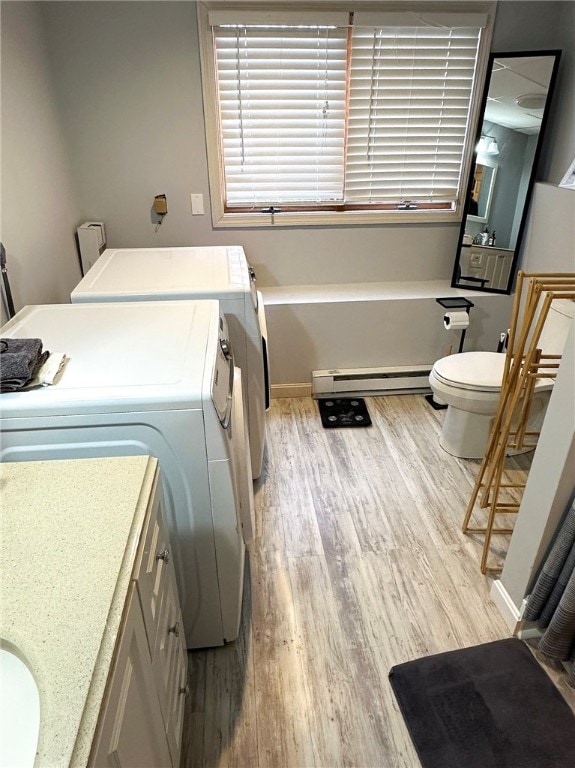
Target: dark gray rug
{"points": [[491, 706]]}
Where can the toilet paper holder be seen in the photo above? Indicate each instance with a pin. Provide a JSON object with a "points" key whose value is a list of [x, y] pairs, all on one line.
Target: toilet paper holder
{"points": [[457, 302]]}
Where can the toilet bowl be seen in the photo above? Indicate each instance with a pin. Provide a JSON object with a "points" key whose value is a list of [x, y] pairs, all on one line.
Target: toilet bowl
{"points": [[470, 384]]}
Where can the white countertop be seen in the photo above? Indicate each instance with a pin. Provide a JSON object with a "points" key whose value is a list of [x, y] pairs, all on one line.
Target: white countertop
{"points": [[348, 292], [68, 540]]}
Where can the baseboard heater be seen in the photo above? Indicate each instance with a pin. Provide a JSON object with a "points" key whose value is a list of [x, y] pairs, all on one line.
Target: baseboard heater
{"points": [[411, 379]]}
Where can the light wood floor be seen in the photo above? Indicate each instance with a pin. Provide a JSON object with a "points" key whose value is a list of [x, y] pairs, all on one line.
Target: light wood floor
{"points": [[359, 564]]}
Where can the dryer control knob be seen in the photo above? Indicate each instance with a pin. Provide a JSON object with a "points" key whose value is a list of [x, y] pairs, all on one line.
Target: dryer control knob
{"points": [[226, 348]]}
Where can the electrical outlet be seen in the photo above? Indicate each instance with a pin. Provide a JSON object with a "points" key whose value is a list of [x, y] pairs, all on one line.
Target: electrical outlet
{"points": [[197, 205]]}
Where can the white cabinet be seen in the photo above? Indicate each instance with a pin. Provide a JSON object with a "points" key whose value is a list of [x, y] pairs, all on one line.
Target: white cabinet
{"points": [[142, 715], [488, 263], [170, 670], [131, 731], [153, 561]]}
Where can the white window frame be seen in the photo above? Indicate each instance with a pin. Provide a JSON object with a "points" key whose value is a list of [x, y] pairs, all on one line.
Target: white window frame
{"points": [[223, 218]]}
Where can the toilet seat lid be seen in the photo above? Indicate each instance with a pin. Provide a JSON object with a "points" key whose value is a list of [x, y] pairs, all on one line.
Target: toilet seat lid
{"points": [[481, 371]]}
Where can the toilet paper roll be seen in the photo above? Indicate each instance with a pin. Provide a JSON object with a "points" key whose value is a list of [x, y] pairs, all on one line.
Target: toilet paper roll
{"points": [[454, 320]]}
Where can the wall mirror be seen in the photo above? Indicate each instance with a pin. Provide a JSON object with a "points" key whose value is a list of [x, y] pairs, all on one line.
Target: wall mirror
{"points": [[514, 112]]}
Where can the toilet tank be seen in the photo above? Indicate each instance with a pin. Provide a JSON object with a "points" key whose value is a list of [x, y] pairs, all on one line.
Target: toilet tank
{"points": [[557, 324]]}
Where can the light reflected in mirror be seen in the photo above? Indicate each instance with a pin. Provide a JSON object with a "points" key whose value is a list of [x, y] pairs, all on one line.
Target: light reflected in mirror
{"points": [[507, 149]]}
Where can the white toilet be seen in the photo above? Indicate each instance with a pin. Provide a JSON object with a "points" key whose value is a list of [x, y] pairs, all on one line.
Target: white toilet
{"points": [[470, 384]]}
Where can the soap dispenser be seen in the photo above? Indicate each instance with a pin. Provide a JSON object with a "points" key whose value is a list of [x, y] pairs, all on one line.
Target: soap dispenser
{"points": [[485, 236], [492, 239]]}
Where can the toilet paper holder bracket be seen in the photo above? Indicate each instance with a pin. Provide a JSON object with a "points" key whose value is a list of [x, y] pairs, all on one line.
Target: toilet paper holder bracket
{"points": [[457, 302]]}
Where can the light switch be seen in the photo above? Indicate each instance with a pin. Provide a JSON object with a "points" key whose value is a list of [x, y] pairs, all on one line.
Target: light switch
{"points": [[197, 205]]}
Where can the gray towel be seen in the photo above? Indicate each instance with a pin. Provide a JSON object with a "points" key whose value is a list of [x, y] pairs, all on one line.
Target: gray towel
{"points": [[20, 359], [552, 600]]}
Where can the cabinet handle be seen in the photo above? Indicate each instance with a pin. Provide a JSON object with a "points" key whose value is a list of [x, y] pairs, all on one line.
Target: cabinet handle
{"points": [[165, 556], [175, 630], [185, 690]]}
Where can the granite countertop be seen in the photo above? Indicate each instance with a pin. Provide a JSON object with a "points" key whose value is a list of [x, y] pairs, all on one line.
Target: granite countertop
{"points": [[68, 540]]}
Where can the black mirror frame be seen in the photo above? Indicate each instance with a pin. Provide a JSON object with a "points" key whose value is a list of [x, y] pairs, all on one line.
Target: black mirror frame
{"points": [[492, 56]]}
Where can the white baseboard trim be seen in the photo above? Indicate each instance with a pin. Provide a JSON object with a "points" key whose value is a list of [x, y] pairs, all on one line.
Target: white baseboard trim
{"points": [[505, 605], [530, 633], [290, 390]]}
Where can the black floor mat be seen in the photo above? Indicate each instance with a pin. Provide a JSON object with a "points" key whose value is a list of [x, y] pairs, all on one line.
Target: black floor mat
{"points": [[491, 706], [344, 412]]}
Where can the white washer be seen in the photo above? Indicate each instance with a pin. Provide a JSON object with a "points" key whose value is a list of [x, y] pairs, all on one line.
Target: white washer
{"points": [[219, 272], [151, 378]]}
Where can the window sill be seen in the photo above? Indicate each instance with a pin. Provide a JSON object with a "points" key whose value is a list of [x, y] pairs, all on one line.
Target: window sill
{"points": [[328, 218]]}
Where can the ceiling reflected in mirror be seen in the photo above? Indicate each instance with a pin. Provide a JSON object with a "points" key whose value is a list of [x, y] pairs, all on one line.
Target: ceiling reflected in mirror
{"points": [[508, 143], [518, 92]]}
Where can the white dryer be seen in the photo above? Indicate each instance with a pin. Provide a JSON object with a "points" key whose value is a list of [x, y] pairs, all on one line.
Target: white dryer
{"points": [[219, 272], [151, 378]]}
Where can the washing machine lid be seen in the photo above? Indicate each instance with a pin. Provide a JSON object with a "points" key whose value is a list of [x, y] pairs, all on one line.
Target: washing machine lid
{"points": [[122, 356], [139, 274], [481, 371]]}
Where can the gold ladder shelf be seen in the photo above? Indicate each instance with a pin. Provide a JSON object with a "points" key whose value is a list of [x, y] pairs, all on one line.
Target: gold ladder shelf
{"points": [[524, 364]]}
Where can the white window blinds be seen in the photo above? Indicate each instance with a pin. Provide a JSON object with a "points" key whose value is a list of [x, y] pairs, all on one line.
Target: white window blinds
{"points": [[282, 97], [317, 114], [410, 96]]}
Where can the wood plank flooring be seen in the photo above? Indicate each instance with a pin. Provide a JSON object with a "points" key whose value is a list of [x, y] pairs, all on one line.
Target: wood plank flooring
{"points": [[359, 564]]}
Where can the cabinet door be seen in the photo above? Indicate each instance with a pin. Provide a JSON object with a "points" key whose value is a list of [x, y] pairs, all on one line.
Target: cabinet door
{"points": [[131, 731], [156, 559], [168, 645], [170, 664], [176, 701]]}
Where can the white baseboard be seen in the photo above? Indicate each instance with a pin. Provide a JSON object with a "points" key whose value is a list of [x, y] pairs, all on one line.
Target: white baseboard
{"points": [[290, 390], [524, 630], [507, 608], [530, 633]]}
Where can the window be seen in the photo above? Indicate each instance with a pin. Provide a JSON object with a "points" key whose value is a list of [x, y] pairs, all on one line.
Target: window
{"points": [[282, 104], [323, 117]]}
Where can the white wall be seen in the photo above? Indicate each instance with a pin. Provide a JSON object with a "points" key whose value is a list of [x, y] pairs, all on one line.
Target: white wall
{"points": [[562, 122], [130, 92], [549, 246], [550, 233], [358, 333], [132, 113], [550, 486], [39, 209], [540, 25]]}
